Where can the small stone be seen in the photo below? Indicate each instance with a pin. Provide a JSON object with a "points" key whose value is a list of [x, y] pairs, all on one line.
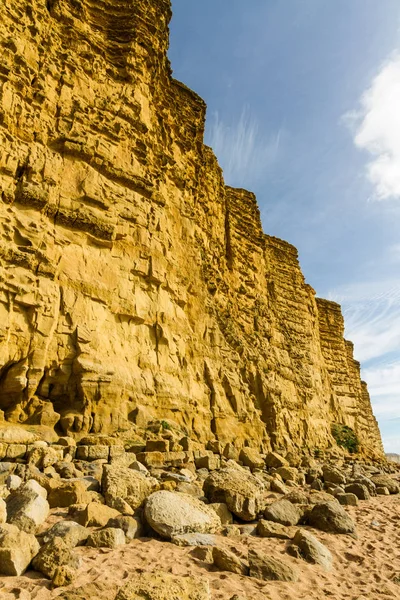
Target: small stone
{"points": [[275, 460], [131, 526], [55, 553], [70, 532], [347, 499], [13, 482], [359, 490], [278, 487]]}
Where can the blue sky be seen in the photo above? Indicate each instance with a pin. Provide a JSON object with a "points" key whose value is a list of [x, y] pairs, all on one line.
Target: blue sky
{"points": [[304, 109]]}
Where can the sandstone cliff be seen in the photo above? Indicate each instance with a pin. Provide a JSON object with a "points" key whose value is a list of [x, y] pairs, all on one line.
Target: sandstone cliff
{"points": [[133, 283]]}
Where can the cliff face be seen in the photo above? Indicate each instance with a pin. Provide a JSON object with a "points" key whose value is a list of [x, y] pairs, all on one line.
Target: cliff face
{"points": [[133, 283]]}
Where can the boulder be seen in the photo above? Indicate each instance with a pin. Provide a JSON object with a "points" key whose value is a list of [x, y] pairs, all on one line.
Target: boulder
{"points": [[171, 514], [27, 509], [225, 560], [359, 490], [385, 481], [17, 549], [347, 499], [274, 460], [223, 512], [70, 532], [270, 569], [72, 491], [278, 486], [251, 458], [333, 475], [238, 489], [269, 529], [13, 482], [283, 512], [288, 473], [55, 553], [125, 489], [163, 586], [108, 537], [330, 517], [306, 546], [297, 497], [95, 515], [63, 576], [131, 526]]}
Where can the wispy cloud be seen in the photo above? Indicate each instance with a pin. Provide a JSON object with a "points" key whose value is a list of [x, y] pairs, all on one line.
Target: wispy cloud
{"points": [[377, 129], [243, 153]]}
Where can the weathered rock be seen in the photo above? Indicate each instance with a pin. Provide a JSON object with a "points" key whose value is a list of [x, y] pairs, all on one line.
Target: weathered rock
{"points": [[55, 553], [297, 497], [108, 537], [359, 490], [63, 576], [194, 539], [223, 512], [275, 460], [330, 517], [125, 489], [69, 492], [100, 256], [171, 514], [3, 511], [13, 482], [270, 569], [347, 499], [131, 526], [251, 458], [27, 509], [288, 473], [382, 491], [278, 486], [95, 515], [163, 586], [333, 475], [306, 546], [238, 489], [283, 512], [70, 532], [387, 482], [269, 529], [17, 549], [225, 560]]}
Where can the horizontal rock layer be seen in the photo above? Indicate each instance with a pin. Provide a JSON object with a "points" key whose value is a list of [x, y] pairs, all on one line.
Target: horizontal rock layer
{"points": [[133, 283]]}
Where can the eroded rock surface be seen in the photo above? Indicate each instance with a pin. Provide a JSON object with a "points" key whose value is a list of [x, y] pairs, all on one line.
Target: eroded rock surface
{"points": [[134, 284]]}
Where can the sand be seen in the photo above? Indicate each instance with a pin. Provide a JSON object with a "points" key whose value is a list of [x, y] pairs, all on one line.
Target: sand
{"points": [[363, 569]]}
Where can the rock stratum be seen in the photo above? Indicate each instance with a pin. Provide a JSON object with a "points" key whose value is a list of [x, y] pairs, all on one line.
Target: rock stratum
{"points": [[134, 284]]}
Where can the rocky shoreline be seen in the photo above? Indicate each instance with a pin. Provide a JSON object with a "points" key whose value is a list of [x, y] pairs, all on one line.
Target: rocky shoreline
{"points": [[262, 518]]}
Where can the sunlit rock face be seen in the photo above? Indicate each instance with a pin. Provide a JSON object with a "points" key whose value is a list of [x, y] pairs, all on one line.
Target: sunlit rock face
{"points": [[133, 283]]}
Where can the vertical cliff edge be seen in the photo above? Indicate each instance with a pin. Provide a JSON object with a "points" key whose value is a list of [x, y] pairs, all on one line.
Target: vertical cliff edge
{"points": [[134, 284]]}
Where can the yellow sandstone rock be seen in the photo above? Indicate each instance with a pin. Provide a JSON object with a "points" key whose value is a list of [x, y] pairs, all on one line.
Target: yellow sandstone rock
{"points": [[135, 285]]}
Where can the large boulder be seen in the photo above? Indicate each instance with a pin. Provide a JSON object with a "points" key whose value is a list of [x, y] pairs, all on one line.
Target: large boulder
{"points": [[283, 512], [306, 546], [125, 489], [17, 549], [171, 514], [163, 586], [238, 489], [330, 517], [27, 508], [387, 482], [270, 569]]}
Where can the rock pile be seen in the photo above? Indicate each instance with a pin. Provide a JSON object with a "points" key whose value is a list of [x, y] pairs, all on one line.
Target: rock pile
{"points": [[113, 500]]}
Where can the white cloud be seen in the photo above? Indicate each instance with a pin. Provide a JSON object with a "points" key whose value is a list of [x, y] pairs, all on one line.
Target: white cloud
{"points": [[378, 129], [242, 152]]}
